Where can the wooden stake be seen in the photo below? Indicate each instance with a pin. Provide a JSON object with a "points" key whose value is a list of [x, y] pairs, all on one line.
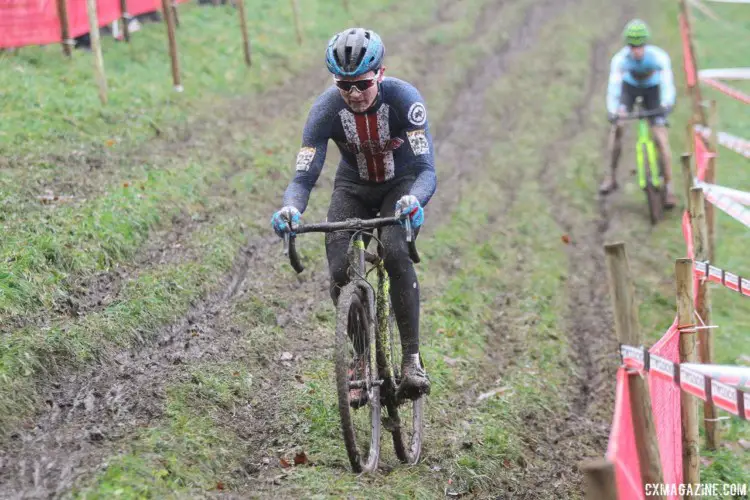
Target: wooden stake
{"points": [[174, 13], [124, 20], [169, 18], [646, 442], [694, 91], [243, 28], [600, 479], [623, 294], [711, 179], [703, 306], [96, 48], [628, 332], [62, 14], [687, 174], [688, 402], [298, 29]]}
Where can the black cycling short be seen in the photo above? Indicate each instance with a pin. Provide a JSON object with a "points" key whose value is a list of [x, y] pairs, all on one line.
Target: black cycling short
{"points": [[651, 100], [365, 200]]}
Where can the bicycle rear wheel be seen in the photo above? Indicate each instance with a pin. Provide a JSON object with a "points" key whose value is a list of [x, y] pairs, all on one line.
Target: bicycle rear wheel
{"points": [[405, 420], [354, 340]]}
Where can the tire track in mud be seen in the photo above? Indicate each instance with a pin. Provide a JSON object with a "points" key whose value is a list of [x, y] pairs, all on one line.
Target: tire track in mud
{"points": [[589, 319]]}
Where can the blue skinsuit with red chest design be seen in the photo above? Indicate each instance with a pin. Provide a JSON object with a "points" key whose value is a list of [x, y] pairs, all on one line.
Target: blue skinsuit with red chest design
{"points": [[386, 153]]}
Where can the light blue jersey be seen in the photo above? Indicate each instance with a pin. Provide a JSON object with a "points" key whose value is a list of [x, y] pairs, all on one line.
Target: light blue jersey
{"points": [[654, 69]]}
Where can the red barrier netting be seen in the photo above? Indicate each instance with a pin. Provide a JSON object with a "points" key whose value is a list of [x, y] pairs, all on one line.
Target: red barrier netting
{"points": [[621, 450], [36, 22], [687, 57], [665, 407]]}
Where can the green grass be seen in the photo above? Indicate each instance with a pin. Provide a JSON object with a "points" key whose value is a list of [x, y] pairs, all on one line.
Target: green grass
{"points": [[55, 101]]}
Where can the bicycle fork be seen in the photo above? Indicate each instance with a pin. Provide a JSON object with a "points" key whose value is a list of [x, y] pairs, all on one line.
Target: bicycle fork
{"points": [[645, 141]]}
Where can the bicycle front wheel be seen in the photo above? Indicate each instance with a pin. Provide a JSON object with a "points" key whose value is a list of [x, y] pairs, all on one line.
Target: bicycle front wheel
{"points": [[654, 195], [356, 380]]}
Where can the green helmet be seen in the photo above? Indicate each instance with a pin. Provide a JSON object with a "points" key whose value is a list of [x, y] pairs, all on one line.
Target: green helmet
{"points": [[636, 33]]}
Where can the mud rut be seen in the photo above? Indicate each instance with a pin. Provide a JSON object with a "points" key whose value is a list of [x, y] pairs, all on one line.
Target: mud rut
{"points": [[89, 413]]}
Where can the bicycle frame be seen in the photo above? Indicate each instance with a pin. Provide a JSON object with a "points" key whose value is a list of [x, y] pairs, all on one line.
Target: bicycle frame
{"points": [[646, 141]]}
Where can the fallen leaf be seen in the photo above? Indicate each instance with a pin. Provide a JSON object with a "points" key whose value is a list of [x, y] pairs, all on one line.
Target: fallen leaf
{"points": [[110, 142], [493, 392], [284, 463], [220, 486], [565, 239], [744, 443], [235, 374], [440, 331], [301, 459], [506, 463], [143, 187], [125, 184], [299, 379], [286, 356]]}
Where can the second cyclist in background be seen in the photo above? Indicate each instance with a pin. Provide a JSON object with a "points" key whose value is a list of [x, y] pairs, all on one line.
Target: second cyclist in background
{"points": [[640, 70]]}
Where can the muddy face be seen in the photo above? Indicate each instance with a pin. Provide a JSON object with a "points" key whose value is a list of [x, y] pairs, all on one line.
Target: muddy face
{"points": [[360, 101]]}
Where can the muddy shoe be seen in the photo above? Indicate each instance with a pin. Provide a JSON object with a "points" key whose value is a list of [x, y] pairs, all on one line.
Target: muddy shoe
{"points": [[414, 381], [608, 185], [357, 396]]}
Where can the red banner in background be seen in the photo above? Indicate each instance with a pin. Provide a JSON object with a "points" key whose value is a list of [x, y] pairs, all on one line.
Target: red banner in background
{"points": [[137, 7], [36, 22], [28, 22]]}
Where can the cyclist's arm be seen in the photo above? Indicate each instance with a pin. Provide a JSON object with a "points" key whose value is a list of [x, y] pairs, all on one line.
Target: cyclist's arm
{"points": [[312, 154], [666, 85], [614, 88], [413, 115]]}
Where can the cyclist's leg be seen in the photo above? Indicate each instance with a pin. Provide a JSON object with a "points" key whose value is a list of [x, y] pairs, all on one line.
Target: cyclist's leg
{"points": [[404, 294], [404, 286], [345, 204], [627, 99]]}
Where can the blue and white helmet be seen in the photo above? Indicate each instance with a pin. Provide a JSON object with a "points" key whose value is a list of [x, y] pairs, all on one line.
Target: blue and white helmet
{"points": [[354, 52]]}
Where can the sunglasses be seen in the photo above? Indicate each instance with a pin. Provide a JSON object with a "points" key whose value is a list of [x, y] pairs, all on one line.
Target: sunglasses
{"points": [[361, 85]]}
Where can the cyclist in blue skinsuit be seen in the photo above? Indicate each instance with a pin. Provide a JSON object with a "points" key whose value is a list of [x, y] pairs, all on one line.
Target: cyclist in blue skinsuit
{"points": [[387, 166], [646, 71]]}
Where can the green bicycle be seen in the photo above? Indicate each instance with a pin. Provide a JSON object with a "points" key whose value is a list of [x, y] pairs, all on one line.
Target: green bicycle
{"points": [[365, 340], [649, 163]]}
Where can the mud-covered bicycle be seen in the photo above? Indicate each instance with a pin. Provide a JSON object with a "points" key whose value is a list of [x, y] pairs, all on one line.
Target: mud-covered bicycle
{"points": [[365, 331], [649, 162]]}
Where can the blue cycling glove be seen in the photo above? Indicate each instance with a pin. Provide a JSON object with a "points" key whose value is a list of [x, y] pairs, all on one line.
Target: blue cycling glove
{"points": [[408, 206], [285, 220]]}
